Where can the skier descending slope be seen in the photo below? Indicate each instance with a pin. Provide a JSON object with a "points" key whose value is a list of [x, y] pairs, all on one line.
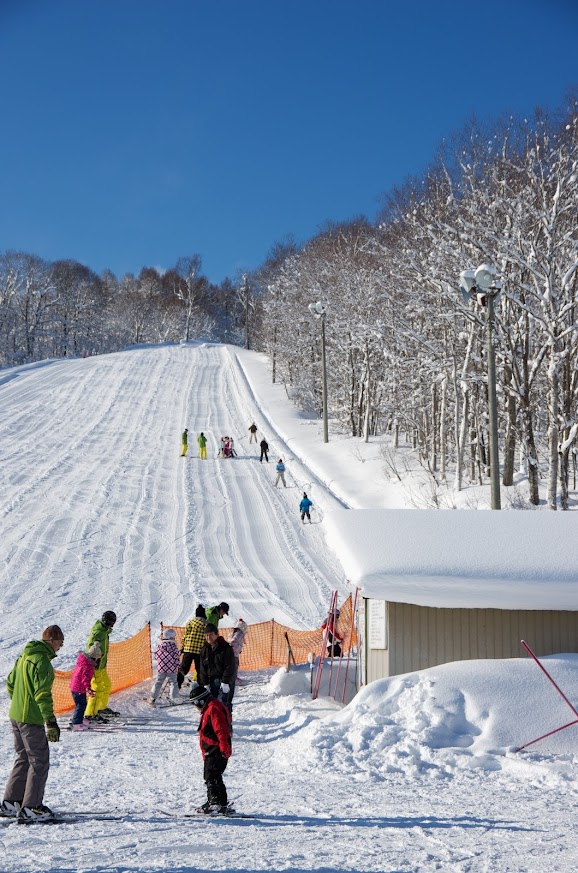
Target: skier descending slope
{"points": [[216, 749]]}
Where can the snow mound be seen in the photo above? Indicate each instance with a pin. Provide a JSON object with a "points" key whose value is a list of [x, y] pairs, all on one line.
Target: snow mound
{"points": [[459, 717]]}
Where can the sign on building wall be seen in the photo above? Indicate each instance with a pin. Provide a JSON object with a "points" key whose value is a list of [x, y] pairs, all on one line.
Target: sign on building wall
{"points": [[377, 624]]}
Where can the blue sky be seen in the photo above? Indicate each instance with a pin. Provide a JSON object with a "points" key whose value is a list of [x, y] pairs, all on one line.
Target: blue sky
{"points": [[135, 132]]}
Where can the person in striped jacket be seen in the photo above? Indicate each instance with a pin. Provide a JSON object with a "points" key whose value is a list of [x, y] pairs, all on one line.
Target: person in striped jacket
{"points": [[166, 657]]}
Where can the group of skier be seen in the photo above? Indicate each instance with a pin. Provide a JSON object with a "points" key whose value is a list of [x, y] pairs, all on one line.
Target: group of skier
{"points": [[216, 663], [227, 450]]}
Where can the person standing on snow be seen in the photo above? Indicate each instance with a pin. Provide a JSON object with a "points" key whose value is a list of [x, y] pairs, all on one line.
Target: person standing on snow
{"points": [[202, 441], [264, 446], [236, 641], [97, 708], [193, 642], [185, 440], [253, 433], [304, 508], [280, 467], [334, 639], [218, 670], [34, 725], [82, 676], [216, 749], [215, 613], [166, 657]]}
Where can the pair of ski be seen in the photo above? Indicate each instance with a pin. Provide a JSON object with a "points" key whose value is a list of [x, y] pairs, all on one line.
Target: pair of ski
{"points": [[63, 818]]}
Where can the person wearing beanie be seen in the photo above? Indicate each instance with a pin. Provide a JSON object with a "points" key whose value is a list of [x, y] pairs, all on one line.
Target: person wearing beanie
{"points": [[97, 708], [305, 507], [166, 657], [218, 669], [193, 642], [29, 686], [82, 676]]}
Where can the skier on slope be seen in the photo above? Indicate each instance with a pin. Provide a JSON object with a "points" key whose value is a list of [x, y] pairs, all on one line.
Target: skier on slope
{"points": [[82, 675], [202, 441], [216, 749], [218, 670], [215, 613], [185, 441], [166, 657], [304, 507], [97, 708], [193, 642]]}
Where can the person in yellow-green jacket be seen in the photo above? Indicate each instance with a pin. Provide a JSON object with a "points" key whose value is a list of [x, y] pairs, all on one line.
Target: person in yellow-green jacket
{"points": [[34, 725], [202, 441], [97, 708]]}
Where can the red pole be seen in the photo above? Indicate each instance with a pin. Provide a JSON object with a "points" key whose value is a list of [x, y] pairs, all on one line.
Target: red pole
{"points": [[353, 612], [543, 737], [323, 647], [560, 692]]}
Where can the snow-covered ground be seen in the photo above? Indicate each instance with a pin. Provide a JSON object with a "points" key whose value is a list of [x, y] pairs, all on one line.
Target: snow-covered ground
{"points": [[98, 511]]}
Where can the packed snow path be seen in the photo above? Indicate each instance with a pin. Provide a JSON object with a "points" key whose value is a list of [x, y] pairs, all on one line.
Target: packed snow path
{"points": [[98, 510]]}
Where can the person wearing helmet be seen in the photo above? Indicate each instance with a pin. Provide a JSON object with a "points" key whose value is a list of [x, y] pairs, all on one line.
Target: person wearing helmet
{"points": [[82, 675], [215, 613], [305, 508], [97, 708], [167, 661], [216, 749], [34, 725]]}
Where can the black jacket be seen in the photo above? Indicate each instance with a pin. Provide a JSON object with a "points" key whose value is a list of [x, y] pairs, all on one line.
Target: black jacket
{"points": [[217, 663]]}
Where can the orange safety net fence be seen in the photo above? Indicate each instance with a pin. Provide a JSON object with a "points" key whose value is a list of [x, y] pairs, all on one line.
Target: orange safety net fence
{"points": [[266, 642], [128, 662]]}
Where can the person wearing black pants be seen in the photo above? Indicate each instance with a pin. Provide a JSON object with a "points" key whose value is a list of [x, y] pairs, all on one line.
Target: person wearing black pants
{"points": [[264, 450]]}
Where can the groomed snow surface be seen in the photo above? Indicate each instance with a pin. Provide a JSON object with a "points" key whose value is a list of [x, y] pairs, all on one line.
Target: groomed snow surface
{"points": [[418, 773]]}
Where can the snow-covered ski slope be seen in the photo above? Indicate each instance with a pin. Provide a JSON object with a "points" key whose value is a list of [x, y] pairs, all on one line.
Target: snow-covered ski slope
{"points": [[99, 511]]}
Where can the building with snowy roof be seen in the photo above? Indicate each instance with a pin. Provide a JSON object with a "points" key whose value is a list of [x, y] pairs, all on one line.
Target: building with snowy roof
{"points": [[437, 586]]}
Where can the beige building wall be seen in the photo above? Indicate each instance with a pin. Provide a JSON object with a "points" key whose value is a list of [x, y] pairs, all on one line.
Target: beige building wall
{"points": [[421, 637]]}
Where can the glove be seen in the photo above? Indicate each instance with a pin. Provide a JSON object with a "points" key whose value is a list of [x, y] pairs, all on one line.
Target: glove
{"points": [[52, 730], [224, 688]]}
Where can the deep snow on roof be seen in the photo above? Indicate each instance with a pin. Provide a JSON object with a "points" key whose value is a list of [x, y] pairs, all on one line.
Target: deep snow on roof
{"points": [[465, 559]]}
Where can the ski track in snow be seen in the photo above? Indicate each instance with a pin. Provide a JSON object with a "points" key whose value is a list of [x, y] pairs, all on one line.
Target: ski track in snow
{"points": [[98, 510], [98, 507]]}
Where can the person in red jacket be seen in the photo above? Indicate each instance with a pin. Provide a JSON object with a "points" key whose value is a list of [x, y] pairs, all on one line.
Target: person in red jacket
{"points": [[215, 742]]}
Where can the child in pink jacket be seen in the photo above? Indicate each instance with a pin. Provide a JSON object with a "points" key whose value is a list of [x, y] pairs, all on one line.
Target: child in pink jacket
{"points": [[80, 684]]}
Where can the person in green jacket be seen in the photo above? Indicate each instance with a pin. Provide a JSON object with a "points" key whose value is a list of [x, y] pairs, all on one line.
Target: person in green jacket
{"points": [[185, 439], [215, 613], [34, 725], [202, 441], [97, 707]]}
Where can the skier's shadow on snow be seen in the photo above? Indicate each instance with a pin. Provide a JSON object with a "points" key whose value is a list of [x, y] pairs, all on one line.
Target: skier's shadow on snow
{"points": [[403, 822]]}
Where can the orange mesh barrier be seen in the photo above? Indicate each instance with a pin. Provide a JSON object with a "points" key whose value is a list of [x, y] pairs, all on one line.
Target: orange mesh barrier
{"points": [[266, 644], [128, 662]]}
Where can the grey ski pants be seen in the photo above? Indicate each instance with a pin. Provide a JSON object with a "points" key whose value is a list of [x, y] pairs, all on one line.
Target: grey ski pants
{"points": [[27, 781]]}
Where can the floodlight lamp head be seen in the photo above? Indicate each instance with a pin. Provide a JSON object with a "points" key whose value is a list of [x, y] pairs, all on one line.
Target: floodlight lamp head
{"points": [[467, 281], [485, 276]]}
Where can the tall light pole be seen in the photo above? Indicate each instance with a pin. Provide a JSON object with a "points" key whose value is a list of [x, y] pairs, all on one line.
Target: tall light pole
{"points": [[319, 310], [481, 285], [245, 294]]}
